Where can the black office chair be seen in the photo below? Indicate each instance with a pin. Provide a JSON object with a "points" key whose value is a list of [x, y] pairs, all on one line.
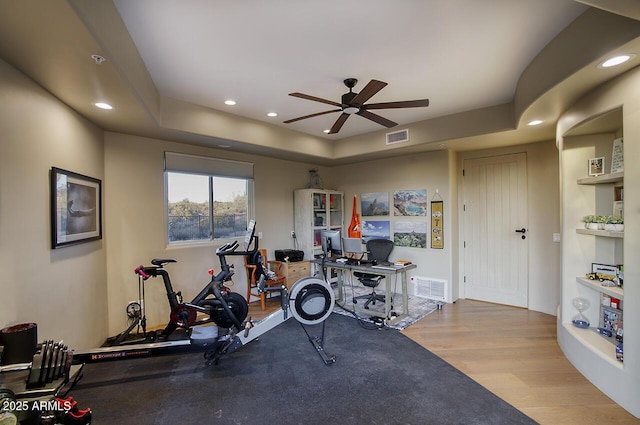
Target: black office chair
{"points": [[378, 251]]}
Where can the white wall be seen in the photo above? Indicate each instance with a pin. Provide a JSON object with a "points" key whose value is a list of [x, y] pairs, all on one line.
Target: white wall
{"points": [[62, 290], [544, 220]]}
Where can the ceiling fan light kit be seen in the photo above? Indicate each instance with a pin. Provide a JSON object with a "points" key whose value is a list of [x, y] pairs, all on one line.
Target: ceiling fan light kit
{"points": [[354, 103]]}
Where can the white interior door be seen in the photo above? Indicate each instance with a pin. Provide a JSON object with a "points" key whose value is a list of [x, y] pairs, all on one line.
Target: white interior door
{"points": [[495, 213]]}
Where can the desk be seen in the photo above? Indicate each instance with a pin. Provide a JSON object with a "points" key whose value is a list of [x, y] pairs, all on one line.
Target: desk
{"points": [[387, 272]]}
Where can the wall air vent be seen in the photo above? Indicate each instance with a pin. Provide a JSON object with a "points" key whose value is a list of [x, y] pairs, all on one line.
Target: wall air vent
{"points": [[398, 137], [433, 289]]}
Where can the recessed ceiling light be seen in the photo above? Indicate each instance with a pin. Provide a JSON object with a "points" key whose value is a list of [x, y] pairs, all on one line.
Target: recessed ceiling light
{"points": [[272, 114], [326, 131], [224, 146], [617, 60], [534, 122], [230, 102], [103, 105]]}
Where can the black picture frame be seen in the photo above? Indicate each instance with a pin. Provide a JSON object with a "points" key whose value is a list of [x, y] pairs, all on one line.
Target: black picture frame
{"points": [[76, 208]]}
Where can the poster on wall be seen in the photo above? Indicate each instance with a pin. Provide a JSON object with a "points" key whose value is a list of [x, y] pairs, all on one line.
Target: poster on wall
{"points": [[410, 234], [437, 224], [374, 204], [76, 208], [617, 157], [376, 230], [410, 202]]}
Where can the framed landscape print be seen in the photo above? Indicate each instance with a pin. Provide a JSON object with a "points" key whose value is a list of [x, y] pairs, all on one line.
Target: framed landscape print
{"points": [[376, 230], [374, 204], [76, 208], [410, 202]]}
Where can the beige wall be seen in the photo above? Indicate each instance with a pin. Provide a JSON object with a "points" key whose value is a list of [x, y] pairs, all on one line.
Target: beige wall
{"points": [[620, 382], [62, 290], [99, 277], [135, 221], [428, 171], [543, 205]]}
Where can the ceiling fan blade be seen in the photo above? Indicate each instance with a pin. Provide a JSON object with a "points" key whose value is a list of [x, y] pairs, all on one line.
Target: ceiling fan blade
{"points": [[311, 116], [339, 123], [373, 87], [403, 104], [315, 99], [377, 118]]}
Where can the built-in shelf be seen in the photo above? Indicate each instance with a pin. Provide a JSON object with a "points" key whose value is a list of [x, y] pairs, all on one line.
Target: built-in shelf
{"points": [[604, 233], [612, 291], [599, 344], [602, 179]]}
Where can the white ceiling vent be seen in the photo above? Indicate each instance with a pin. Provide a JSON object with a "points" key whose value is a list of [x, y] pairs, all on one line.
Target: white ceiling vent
{"points": [[398, 137]]}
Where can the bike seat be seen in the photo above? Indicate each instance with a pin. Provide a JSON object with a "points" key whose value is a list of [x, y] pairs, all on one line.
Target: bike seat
{"points": [[162, 261]]}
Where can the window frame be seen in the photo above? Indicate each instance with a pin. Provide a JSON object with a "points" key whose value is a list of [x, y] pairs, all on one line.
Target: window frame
{"points": [[198, 171]]}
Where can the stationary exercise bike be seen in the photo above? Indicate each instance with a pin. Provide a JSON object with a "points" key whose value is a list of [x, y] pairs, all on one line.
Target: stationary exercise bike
{"points": [[310, 301]]}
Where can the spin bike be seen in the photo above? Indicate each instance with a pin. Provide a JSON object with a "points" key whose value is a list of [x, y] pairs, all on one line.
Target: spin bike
{"points": [[310, 301]]}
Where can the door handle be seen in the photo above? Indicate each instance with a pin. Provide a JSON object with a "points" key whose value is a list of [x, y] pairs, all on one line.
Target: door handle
{"points": [[523, 231]]}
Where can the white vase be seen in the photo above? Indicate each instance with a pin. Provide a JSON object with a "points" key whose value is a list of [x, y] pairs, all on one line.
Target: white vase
{"points": [[591, 226], [610, 227]]}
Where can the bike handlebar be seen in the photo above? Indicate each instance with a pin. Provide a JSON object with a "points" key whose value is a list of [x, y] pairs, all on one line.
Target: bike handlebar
{"points": [[228, 247]]}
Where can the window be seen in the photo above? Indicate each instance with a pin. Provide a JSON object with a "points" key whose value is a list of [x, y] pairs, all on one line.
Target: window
{"points": [[204, 207]]}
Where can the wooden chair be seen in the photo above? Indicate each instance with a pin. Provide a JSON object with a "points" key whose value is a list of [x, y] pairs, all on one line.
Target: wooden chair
{"points": [[252, 278]]}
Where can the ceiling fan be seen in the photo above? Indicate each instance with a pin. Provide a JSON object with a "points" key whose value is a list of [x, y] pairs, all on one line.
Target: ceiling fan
{"points": [[354, 103]]}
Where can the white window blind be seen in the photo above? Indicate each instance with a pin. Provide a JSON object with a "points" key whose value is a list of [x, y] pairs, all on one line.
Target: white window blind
{"points": [[185, 163]]}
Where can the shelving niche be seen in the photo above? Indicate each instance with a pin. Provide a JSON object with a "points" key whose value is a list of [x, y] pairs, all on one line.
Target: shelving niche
{"points": [[586, 195], [594, 355]]}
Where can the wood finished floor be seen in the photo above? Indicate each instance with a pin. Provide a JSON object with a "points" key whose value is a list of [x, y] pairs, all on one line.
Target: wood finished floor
{"points": [[513, 353]]}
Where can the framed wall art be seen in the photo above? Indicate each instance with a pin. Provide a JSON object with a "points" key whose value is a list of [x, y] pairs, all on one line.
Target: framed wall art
{"points": [[410, 234], [76, 208], [410, 202], [376, 230], [374, 204]]}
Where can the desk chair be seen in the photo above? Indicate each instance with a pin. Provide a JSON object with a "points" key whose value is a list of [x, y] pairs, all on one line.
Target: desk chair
{"points": [[254, 268], [378, 251]]}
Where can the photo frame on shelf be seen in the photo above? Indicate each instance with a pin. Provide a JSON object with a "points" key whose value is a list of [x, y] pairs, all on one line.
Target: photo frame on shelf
{"points": [[618, 208], [318, 201], [610, 319], [604, 270], [596, 166], [76, 208]]}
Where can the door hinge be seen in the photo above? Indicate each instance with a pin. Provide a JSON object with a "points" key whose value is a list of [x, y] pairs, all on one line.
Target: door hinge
{"points": [[464, 279], [463, 172], [464, 244]]}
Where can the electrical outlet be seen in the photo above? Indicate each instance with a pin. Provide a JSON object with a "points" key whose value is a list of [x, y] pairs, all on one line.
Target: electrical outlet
{"points": [[293, 234]]}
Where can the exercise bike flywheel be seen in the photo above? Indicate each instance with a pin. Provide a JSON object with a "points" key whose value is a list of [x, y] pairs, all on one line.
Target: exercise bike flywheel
{"points": [[133, 310]]}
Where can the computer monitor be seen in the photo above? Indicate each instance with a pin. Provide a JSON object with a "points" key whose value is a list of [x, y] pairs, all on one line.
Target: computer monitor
{"points": [[331, 242], [352, 246], [248, 237]]}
